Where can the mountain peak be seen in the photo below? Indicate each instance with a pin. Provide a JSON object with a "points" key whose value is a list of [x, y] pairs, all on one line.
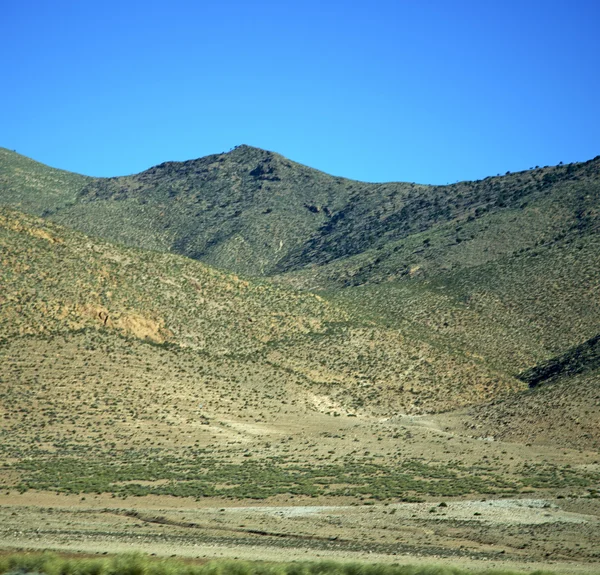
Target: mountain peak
{"points": [[244, 150]]}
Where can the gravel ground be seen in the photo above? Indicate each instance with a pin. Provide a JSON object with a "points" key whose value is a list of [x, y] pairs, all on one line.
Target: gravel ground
{"points": [[526, 534]]}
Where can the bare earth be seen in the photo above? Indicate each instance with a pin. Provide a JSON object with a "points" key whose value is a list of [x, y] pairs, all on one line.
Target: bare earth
{"points": [[555, 528], [562, 535]]}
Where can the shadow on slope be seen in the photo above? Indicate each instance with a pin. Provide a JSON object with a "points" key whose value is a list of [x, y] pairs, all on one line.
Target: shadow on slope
{"points": [[561, 408]]}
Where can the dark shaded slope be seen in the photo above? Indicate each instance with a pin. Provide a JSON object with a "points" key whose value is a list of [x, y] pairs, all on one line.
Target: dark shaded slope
{"points": [[438, 229], [562, 406], [580, 359]]}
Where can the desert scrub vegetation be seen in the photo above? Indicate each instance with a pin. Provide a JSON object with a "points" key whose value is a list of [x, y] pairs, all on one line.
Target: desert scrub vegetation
{"points": [[512, 313], [142, 294], [199, 474], [425, 231], [35, 188], [571, 395], [169, 300], [139, 564], [257, 213]]}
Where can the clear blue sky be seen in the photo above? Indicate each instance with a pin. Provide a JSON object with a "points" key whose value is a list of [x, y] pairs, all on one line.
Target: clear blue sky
{"points": [[431, 91]]}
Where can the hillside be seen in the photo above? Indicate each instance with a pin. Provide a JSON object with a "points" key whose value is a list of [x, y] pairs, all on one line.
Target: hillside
{"points": [[516, 311], [127, 357], [133, 372], [579, 359], [59, 282], [475, 223], [515, 286], [257, 213], [36, 188], [242, 211], [561, 408], [426, 288]]}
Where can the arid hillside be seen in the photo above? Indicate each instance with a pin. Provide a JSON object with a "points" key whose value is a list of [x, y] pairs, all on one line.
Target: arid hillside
{"points": [[136, 379], [61, 282], [255, 212]]}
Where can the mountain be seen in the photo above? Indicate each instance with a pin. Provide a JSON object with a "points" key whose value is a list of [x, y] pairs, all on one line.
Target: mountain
{"points": [[190, 329], [242, 211], [255, 212], [115, 352], [436, 230], [515, 311], [503, 271]]}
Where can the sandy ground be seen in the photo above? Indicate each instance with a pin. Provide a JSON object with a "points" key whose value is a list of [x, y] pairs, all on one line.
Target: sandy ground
{"points": [[561, 535], [556, 530]]}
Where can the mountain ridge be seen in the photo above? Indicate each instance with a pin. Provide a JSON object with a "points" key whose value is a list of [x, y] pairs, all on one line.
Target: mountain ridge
{"points": [[255, 212], [478, 267]]}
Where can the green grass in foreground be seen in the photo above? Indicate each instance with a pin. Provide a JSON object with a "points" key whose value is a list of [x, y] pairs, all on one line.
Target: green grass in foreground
{"points": [[139, 564]]}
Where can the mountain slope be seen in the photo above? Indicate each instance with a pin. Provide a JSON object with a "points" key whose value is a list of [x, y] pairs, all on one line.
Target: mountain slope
{"points": [[562, 408], [241, 211], [36, 188], [580, 359], [497, 218], [504, 271], [167, 376], [155, 368], [255, 212], [516, 311], [516, 286], [56, 281]]}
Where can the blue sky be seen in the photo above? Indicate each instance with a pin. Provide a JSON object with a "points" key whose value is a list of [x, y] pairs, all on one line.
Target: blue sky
{"points": [[430, 91]]}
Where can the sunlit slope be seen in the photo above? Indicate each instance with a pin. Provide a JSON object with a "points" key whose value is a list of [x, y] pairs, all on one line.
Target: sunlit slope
{"points": [[35, 188], [435, 288], [58, 281], [134, 372], [98, 388]]}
